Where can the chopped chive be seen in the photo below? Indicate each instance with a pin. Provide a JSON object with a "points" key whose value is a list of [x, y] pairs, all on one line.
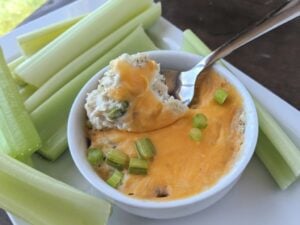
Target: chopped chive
{"points": [[200, 121], [195, 134], [89, 124], [95, 156], [220, 96], [118, 111], [138, 166], [145, 148], [115, 179], [117, 159]]}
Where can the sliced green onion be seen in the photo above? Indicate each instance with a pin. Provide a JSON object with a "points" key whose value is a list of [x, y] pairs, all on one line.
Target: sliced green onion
{"points": [[138, 166], [95, 156], [200, 121], [115, 179], [118, 111], [145, 148], [89, 125], [117, 159], [220, 96], [195, 134]]}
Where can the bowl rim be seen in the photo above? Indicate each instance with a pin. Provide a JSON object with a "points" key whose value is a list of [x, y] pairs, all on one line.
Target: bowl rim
{"points": [[250, 139]]}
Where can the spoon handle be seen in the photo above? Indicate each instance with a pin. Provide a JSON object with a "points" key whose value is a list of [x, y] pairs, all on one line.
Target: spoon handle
{"points": [[288, 11]]}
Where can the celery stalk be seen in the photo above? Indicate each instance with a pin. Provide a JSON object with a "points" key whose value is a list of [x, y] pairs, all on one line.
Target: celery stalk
{"points": [[275, 149], [18, 136], [12, 65], [33, 41], [274, 162], [146, 19], [282, 143], [53, 113], [38, 68], [56, 143], [42, 200], [195, 45], [26, 91]]}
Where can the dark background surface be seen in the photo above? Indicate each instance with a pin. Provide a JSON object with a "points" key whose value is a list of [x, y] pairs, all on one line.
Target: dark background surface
{"points": [[273, 60]]}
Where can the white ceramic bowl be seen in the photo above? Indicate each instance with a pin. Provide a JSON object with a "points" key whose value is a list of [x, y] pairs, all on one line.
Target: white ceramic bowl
{"points": [[167, 209]]}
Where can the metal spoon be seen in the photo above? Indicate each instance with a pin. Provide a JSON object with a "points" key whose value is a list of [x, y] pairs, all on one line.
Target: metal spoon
{"points": [[182, 84]]}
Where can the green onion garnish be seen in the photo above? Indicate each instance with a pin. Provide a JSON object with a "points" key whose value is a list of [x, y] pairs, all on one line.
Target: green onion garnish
{"points": [[145, 148], [195, 134], [200, 121], [220, 96], [138, 166], [95, 156], [118, 111], [115, 179], [117, 159], [89, 124]]}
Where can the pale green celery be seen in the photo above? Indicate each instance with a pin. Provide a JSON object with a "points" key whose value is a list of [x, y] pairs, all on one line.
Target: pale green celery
{"points": [[53, 113], [282, 143], [12, 65], [18, 136], [26, 91], [42, 200], [33, 41], [283, 151], [38, 68], [56, 143], [27, 159], [193, 44], [274, 162], [146, 19]]}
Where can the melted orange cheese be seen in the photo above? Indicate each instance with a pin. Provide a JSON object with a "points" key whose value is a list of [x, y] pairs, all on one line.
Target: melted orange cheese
{"points": [[146, 112], [181, 166]]}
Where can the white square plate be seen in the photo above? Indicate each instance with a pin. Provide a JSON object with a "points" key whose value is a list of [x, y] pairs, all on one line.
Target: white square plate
{"points": [[255, 199]]}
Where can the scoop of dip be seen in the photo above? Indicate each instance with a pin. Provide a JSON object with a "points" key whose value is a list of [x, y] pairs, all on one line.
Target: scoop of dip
{"points": [[132, 96]]}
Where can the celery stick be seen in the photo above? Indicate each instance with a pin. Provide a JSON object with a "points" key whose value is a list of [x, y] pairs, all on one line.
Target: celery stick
{"points": [[53, 113], [56, 143], [26, 91], [12, 65], [192, 41], [42, 200], [146, 19], [18, 136], [33, 41], [282, 143], [27, 159], [283, 152], [38, 68], [274, 162]]}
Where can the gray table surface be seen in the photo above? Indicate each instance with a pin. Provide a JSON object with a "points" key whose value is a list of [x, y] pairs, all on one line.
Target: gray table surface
{"points": [[273, 60]]}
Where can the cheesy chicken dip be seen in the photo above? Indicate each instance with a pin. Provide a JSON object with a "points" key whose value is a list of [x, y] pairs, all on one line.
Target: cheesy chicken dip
{"points": [[149, 145]]}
